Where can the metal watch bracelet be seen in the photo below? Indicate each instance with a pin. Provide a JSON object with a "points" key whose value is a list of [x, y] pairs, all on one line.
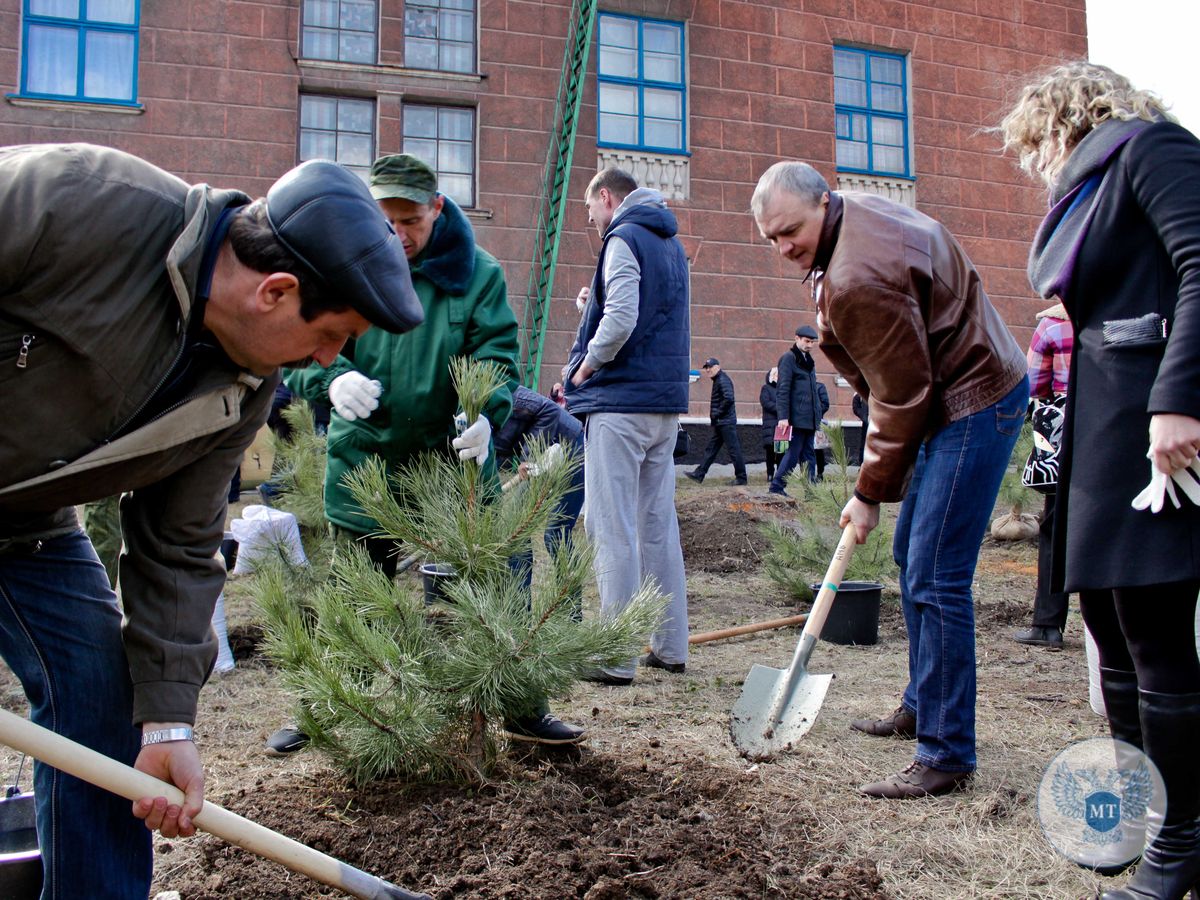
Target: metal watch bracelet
{"points": [[165, 735]]}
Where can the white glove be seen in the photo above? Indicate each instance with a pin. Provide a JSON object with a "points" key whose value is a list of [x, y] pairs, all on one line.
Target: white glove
{"points": [[547, 461], [475, 442], [354, 395], [582, 298], [1162, 485]]}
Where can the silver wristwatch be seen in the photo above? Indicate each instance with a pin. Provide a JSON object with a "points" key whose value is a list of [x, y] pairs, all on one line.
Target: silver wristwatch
{"points": [[165, 735]]}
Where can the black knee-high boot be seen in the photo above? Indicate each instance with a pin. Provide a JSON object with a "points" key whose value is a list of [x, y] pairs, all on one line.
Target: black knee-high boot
{"points": [[1170, 865], [1124, 724]]}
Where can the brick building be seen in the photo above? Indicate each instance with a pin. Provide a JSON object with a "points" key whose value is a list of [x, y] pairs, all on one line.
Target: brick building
{"points": [[696, 97]]}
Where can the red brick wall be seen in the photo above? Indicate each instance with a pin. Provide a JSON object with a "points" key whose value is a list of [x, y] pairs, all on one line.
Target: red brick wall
{"points": [[219, 85]]}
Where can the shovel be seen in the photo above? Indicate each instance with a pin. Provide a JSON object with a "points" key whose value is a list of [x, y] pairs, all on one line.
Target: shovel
{"points": [[125, 781], [778, 706]]}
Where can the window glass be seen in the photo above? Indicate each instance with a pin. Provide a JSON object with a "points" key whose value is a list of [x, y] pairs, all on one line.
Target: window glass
{"points": [[889, 159], [119, 12], [53, 57], [887, 131], [852, 93], [887, 69], [109, 62], [887, 97], [444, 137], [440, 35], [338, 128], [852, 155], [847, 64], [637, 57], [67, 9], [341, 30]]}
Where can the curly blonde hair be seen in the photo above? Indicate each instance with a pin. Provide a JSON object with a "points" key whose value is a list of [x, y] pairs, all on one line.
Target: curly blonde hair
{"points": [[1057, 110]]}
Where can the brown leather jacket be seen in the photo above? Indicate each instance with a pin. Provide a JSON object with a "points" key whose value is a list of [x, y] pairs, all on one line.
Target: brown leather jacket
{"points": [[903, 317]]}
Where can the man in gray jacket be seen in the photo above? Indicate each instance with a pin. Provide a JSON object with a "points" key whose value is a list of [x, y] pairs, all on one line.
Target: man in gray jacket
{"points": [[142, 324]]}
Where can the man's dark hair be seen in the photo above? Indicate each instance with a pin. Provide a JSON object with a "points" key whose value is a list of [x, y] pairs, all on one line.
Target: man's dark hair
{"points": [[256, 247], [617, 182]]}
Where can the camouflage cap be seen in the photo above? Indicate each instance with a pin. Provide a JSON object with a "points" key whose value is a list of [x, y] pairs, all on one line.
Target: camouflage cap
{"points": [[402, 176]]}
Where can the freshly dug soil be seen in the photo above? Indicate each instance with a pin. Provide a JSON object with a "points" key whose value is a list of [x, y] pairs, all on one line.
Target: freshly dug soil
{"points": [[579, 824], [725, 536]]}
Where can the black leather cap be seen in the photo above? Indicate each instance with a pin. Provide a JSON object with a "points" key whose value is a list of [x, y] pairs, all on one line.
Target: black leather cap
{"points": [[807, 331], [324, 214]]}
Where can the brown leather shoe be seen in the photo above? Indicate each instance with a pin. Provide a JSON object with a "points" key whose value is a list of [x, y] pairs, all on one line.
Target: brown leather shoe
{"points": [[918, 780], [902, 724]]}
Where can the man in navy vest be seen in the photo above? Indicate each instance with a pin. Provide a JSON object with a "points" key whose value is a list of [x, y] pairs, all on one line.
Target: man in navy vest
{"points": [[627, 377]]}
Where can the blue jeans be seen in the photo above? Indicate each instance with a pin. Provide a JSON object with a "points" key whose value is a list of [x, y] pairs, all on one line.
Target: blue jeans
{"points": [[566, 514], [938, 533], [60, 633], [800, 449]]}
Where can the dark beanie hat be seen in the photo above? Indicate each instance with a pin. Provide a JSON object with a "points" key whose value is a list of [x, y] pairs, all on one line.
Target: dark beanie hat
{"points": [[806, 331], [325, 216]]}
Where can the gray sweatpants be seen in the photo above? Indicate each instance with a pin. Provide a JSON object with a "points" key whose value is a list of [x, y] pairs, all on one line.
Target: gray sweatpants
{"points": [[629, 483]]}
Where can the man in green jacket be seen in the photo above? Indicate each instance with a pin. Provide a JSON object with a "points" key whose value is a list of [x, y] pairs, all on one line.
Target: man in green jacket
{"points": [[142, 324], [392, 394]]}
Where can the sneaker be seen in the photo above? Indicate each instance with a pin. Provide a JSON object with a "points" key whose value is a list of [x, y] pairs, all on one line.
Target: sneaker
{"points": [[695, 476], [735, 482], [651, 661], [1040, 637], [285, 741], [544, 729], [599, 676]]}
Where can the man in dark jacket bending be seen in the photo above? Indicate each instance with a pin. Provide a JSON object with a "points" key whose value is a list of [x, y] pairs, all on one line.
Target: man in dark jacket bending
{"points": [[722, 415], [142, 356]]}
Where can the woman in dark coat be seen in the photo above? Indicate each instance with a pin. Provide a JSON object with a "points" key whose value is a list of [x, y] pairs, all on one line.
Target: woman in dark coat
{"points": [[770, 417], [1121, 245]]}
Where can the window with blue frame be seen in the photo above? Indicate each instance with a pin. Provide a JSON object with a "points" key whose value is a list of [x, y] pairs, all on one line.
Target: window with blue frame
{"points": [[641, 95], [342, 30], [80, 50], [870, 95], [338, 128]]}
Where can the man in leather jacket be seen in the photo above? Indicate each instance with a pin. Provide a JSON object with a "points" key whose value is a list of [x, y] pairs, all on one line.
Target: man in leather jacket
{"points": [[903, 317]]}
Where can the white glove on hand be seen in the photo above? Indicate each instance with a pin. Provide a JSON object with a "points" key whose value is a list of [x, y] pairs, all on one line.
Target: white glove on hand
{"points": [[547, 461], [1162, 485], [354, 395], [475, 442]]}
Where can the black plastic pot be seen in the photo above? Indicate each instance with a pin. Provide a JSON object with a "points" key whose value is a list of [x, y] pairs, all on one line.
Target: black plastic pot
{"points": [[854, 616], [20, 858], [229, 550], [435, 577]]}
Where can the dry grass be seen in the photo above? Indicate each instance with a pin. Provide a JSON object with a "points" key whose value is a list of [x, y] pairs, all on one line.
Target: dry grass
{"points": [[984, 842]]}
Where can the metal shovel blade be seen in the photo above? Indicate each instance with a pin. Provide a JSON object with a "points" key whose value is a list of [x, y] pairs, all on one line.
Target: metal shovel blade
{"points": [[750, 724]]}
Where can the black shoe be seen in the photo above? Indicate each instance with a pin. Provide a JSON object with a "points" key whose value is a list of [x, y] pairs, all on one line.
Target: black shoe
{"points": [[1038, 636], [543, 729], [599, 676], [735, 482], [285, 741], [651, 661], [695, 476], [779, 492]]}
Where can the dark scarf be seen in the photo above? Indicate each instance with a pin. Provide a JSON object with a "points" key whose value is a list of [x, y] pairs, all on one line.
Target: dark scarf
{"points": [[448, 260], [1073, 200], [803, 360]]}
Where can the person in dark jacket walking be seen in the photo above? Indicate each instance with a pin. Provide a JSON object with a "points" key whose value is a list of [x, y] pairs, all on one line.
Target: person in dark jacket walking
{"points": [[800, 405], [1121, 247], [142, 353], [767, 395], [722, 415]]}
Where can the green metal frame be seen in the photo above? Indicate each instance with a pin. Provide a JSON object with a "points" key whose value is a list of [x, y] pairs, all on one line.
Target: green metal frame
{"points": [[555, 183]]}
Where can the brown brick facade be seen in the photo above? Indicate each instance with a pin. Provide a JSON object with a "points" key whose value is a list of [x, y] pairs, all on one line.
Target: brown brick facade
{"points": [[219, 84]]}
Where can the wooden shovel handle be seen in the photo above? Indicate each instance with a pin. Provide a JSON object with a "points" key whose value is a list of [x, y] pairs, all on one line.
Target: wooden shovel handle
{"points": [[831, 582], [737, 630], [125, 781]]}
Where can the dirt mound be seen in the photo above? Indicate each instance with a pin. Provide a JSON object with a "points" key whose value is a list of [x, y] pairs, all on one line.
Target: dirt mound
{"points": [[725, 537], [587, 827], [245, 642]]}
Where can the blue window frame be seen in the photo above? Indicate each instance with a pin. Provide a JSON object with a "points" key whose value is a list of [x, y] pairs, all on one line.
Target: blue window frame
{"points": [[84, 50], [641, 95], [870, 96]]}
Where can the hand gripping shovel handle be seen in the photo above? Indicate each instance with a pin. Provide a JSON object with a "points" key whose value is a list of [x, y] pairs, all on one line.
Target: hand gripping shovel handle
{"points": [[94, 768], [816, 618]]}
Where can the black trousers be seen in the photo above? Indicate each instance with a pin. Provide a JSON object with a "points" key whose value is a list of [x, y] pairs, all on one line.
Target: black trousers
{"points": [[724, 436], [1049, 607], [1148, 630], [771, 458]]}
